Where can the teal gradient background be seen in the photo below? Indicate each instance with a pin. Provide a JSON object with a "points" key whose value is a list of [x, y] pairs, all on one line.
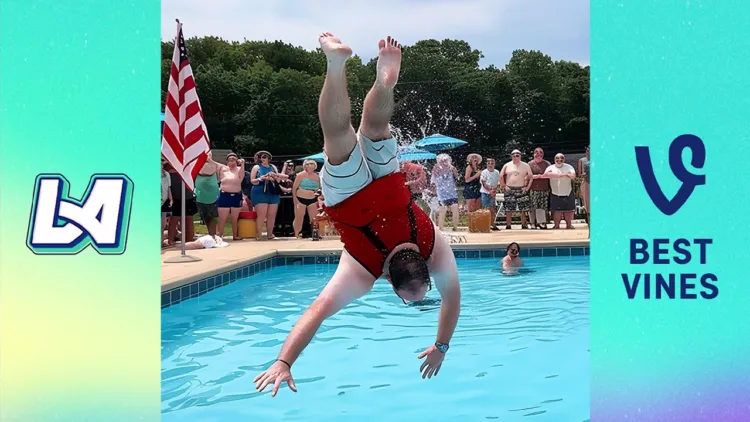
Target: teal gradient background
{"points": [[661, 69], [79, 94]]}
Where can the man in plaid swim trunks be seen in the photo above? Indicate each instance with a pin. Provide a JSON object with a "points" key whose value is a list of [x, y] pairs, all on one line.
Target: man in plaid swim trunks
{"points": [[515, 181]]}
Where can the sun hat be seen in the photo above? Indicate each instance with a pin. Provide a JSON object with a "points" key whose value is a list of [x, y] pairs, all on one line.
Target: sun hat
{"points": [[261, 152], [474, 155]]}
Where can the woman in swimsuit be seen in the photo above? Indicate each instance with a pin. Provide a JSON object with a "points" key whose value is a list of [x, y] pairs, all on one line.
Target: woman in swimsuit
{"points": [[266, 192], [306, 183], [472, 186], [230, 193]]}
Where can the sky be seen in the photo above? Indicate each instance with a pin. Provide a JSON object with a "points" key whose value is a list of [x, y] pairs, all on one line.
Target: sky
{"points": [[558, 28]]}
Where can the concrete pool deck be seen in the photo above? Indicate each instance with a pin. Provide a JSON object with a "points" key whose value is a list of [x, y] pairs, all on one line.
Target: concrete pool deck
{"points": [[216, 261]]}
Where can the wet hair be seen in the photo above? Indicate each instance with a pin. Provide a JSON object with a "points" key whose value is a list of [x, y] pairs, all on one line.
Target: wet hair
{"points": [[511, 244], [408, 270]]}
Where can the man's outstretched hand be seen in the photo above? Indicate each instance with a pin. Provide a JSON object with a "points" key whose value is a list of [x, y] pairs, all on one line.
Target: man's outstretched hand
{"points": [[276, 374], [431, 365]]}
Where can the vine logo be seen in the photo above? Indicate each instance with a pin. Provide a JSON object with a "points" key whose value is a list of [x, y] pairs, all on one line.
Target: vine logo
{"points": [[63, 225], [689, 180]]}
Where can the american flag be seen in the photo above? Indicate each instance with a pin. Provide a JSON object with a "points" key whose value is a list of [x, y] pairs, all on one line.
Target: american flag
{"points": [[184, 140]]}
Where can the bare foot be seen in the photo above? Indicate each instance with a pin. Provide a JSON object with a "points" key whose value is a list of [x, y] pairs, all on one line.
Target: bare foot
{"points": [[389, 62], [336, 52]]}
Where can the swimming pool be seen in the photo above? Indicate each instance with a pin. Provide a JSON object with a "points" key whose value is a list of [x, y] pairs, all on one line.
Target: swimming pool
{"points": [[520, 351]]}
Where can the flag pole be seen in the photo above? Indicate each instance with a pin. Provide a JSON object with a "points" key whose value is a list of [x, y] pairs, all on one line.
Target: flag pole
{"points": [[182, 223], [182, 257]]}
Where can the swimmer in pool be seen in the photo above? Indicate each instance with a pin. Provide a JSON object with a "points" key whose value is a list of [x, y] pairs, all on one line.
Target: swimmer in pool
{"points": [[384, 232], [511, 261]]}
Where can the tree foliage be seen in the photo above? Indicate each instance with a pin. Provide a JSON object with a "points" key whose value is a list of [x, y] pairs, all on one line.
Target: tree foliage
{"points": [[264, 95]]}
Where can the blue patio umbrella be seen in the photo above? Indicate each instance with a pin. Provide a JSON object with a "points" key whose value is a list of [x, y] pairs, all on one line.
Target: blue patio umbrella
{"points": [[318, 158], [412, 153], [438, 142]]}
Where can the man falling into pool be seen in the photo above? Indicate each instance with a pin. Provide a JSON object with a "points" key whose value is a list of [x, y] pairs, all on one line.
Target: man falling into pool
{"points": [[383, 231]]}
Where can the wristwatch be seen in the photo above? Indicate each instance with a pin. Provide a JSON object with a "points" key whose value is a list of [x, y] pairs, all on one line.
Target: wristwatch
{"points": [[443, 347]]}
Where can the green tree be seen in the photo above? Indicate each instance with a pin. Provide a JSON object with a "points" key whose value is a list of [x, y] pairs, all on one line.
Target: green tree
{"points": [[264, 94]]}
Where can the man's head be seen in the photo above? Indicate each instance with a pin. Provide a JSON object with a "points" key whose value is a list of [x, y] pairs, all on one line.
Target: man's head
{"points": [[513, 250], [516, 156], [559, 159], [538, 155], [490, 164], [232, 159], [409, 275]]}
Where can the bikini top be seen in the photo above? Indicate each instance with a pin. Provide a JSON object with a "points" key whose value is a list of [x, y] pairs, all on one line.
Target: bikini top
{"points": [[309, 184]]}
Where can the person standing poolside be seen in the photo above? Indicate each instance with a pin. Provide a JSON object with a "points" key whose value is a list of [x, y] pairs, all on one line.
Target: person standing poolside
{"points": [[207, 193], [472, 186], [266, 192], [562, 202], [444, 177], [490, 178], [229, 202], [416, 179], [515, 181], [306, 184], [584, 169], [166, 196], [288, 169], [384, 232], [539, 193], [175, 220]]}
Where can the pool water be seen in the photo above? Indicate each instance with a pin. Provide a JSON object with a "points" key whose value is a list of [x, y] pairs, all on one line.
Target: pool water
{"points": [[520, 351]]}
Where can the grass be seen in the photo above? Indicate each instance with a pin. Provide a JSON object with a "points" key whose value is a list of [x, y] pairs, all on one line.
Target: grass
{"points": [[201, 229]]}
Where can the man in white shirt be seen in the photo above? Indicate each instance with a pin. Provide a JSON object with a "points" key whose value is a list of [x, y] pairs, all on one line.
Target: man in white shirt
{"points": [[489, 179], [562, 202]]}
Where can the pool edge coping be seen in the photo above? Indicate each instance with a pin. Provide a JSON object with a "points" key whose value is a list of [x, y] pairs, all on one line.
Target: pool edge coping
{"points": [[234, 265]]}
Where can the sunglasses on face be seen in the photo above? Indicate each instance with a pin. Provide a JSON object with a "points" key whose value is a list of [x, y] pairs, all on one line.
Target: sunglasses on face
{"points": [[514, 250], [516, 155]]}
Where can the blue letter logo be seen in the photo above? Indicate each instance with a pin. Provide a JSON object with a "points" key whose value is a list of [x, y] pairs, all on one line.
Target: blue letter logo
{"points": [[688, 179], [62, 225]]}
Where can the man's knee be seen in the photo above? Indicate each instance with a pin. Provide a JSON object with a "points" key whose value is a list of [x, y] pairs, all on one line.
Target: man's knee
{"points": [[376, 135]]}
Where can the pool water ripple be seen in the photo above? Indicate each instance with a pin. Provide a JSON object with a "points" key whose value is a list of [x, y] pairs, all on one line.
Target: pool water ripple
{"points": [[520, 351]]}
